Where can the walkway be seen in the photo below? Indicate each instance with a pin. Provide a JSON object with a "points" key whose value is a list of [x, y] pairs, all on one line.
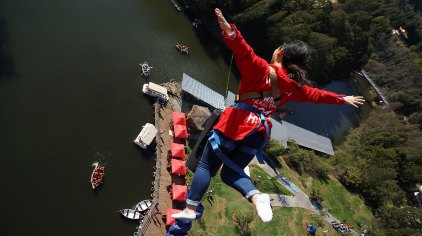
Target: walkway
{"points": [[155, 221]]}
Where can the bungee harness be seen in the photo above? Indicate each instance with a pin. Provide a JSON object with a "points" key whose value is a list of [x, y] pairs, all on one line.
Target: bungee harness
{"points": [[217, 140]]}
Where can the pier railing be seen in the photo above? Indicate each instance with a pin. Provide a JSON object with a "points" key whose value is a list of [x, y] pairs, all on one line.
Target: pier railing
{"points": [[152, 211]]}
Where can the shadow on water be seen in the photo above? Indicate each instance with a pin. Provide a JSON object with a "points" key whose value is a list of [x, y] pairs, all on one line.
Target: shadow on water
{"points": [[207, 33], [7, 66]]}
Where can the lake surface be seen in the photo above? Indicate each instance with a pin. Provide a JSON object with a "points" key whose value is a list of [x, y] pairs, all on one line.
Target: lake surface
{"points": [[70, 94]]}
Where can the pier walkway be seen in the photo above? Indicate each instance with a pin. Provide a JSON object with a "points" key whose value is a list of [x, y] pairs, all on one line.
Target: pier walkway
{"points": [[154, 222]]}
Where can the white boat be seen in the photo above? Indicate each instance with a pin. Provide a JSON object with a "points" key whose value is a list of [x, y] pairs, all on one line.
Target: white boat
{"points": [[142, 205], [182, 48], [131, 214], [146, 136], [156, 90], [145, 68]]}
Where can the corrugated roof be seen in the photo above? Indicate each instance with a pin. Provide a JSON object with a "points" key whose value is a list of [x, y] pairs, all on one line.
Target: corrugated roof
{"points": [[202, 92], [309, 139]]}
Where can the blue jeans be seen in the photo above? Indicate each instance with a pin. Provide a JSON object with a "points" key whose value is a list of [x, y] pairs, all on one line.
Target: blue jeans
{"points": [[209, 165]]}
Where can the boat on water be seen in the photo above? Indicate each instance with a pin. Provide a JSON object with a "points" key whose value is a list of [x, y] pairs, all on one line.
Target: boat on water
{"points": [[145, 68], [142, 205], [97, 175], [182, 48], [131, 214], [146, 136], [155, 90]]}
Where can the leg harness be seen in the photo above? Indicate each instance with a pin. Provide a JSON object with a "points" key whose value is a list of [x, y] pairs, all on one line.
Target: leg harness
{"points": [[216, 141]]}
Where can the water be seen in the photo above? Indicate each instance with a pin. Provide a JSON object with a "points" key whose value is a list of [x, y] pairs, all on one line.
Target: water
{"points": [[70, 94], [74, 97]]}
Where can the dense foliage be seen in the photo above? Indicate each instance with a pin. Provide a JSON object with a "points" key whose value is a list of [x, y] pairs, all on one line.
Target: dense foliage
{"points": [[381, 159]]}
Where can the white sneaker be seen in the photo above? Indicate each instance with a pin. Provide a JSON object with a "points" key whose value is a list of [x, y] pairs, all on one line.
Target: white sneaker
{"points": [[263, 207], [184, 216]]}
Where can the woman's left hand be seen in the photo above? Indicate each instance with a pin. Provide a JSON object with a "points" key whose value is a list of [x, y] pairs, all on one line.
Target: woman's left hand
{"points": [[354, 100]]}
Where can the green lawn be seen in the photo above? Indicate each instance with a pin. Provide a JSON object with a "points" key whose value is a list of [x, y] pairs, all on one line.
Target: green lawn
{"points": [[230, 214]]}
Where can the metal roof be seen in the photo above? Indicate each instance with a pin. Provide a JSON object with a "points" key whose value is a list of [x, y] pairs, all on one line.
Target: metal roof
{"points": [[202, 92]]}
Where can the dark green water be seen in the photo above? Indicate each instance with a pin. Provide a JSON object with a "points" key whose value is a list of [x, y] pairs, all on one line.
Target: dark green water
{"points": [[70, 94], [73, 96]]}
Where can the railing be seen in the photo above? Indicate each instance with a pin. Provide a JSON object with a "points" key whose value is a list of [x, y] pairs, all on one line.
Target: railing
{"points": [[143, 226], [375, 86]]}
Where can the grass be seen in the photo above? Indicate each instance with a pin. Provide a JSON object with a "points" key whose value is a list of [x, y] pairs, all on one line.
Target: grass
{"points": [[342, 204], [265, 183], [231, 214]]}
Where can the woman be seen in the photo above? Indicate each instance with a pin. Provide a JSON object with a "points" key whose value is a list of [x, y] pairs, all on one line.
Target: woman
{"points": [[244, 129]]}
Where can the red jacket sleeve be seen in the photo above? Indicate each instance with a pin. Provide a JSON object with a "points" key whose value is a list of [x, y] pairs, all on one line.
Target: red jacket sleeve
{"points": [[253, 69], [314, 95]]}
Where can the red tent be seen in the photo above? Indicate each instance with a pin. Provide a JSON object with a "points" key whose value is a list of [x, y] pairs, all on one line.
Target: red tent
{"points": [[170, 220], [180, 131], [179, 118], [178, 167], [178, 150], [179, 192]]}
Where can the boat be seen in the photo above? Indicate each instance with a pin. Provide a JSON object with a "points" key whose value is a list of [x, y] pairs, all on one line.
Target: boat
{"points": [[155, 90], [97, 175], [131, 214], [145, 68], [146, 136], [182, 48], [142, 205]]}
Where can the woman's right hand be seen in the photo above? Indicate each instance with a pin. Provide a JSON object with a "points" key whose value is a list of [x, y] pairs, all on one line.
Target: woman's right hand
{"points": [[222, 22]]}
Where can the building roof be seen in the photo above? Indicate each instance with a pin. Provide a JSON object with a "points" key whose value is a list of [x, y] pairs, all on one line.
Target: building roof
{"points": [[202, 92], [157, 88]]}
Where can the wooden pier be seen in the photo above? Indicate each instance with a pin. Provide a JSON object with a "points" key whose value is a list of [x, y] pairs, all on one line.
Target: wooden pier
{"points": [[154, 223]]}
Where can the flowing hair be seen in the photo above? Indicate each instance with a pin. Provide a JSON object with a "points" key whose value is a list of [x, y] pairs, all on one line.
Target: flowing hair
{"points": [[296, 56]]}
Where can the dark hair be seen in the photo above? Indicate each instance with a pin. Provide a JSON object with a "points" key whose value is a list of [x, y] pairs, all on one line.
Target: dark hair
{"points": [[296, 56]]}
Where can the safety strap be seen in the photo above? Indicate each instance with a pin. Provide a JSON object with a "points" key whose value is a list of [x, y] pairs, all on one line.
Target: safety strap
{"points": [[215, 140], [275, 91]]}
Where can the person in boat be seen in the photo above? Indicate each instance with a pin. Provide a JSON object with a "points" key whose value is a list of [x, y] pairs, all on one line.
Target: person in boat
{"points": [[244, 128]]}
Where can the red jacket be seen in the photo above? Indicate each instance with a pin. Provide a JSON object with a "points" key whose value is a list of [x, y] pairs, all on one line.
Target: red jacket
{"points": [[237, 123]]}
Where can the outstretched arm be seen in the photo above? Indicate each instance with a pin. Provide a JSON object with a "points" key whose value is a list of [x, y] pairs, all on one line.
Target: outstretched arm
{"points": [[253, 69]]}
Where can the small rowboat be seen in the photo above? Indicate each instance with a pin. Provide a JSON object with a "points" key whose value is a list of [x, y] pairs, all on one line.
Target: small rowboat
{"points": [[142, 205], [97, 175], [182, 48], [145, 69], [131, 214]]}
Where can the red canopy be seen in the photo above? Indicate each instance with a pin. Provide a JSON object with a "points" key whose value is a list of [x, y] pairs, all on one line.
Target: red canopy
{"points": [[178, 167], [178, 150], [179, 192], [170, 220], [179, 118], [180, 131]]}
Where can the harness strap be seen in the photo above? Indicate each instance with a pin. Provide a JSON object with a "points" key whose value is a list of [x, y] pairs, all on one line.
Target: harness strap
{"points": [[275, 91], [215, 140]]}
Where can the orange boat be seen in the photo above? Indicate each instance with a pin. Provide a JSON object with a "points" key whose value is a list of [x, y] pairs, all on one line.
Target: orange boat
{"points": [[97, 175]]}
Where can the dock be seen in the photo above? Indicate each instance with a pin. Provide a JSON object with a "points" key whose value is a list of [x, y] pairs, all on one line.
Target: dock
{"points": [[154, 222]]}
